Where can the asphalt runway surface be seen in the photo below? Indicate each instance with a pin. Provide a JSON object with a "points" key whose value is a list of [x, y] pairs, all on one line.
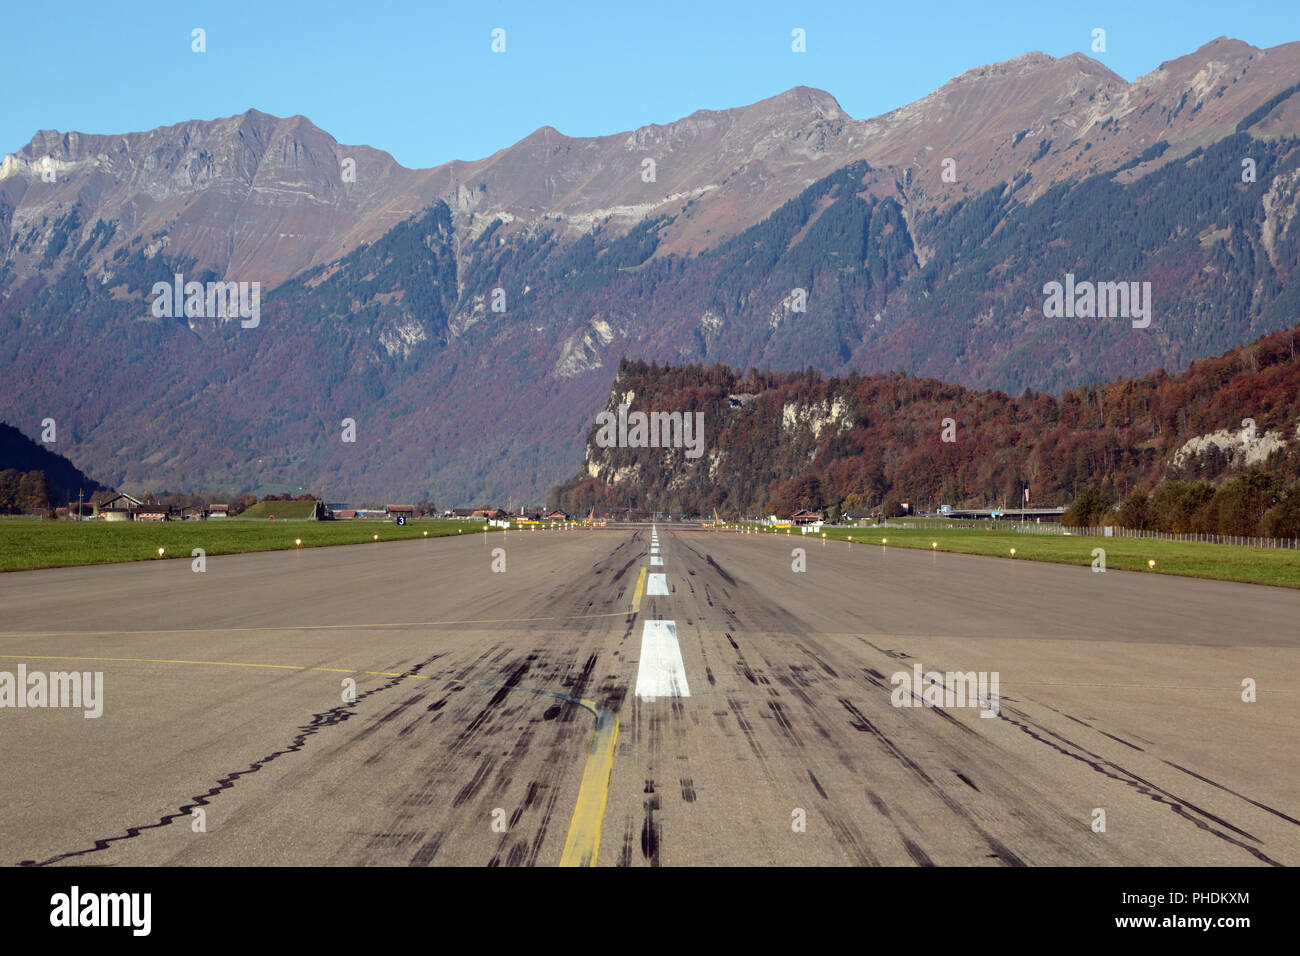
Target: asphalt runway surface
{"points": [[578, 708]]}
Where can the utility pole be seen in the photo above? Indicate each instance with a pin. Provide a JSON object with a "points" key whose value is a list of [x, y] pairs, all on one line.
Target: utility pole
{"points": [[80, 491]]}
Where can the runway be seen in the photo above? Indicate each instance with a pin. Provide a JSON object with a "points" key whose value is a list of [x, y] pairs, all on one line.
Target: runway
{"points": [[589, 705]]}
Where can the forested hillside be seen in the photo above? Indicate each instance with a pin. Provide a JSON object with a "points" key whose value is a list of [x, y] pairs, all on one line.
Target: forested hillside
{"points": [[32, 476], [781, 441], [1209, 243]]}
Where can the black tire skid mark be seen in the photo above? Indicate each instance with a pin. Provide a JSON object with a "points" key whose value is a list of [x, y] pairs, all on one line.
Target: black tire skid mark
{"points": [[618, 575], [428, 851], [1146, 788], [1120, 740], [742, 665], [520, 852], [914, 850], [625, 853], [502, 692], [919, 856], [795, 683], [475, 782], [801, 676], [1262, 806], [524, 852], [597, 584], [776, 619], [1002, 851], [816, 659], [940, 711], [849, 839], [678, 708], [896, 655], [817, 785], [704, 653], [737, 710], [651, 830], [784, 722], [394, 840], [863, 724], [722, 572], [329, 718], [548, 811], [562, 711], [1093, 726], [708, 595]]}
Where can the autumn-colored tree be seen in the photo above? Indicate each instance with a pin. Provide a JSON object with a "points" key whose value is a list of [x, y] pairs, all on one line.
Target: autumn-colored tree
{"points": [[1282, 520], [1238, 507], [8, 491], [892, 508], [1177, 506], [33, 491], [1135, 512], [1090, 509]]}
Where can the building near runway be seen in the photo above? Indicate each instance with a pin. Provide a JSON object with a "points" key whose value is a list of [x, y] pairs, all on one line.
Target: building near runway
{"points": [[121, 507], [124, 507]]}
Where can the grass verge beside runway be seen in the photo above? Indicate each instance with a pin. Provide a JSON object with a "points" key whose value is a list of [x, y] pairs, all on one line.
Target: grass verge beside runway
{"points": [[1221, 562], [29, 544]]}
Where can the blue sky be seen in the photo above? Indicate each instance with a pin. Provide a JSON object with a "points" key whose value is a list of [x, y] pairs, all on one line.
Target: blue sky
{"points": [[420, 79]]}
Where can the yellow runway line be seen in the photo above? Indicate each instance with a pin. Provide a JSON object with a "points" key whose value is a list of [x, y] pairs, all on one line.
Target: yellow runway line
{"points": [[639, 592], [583, 842]]}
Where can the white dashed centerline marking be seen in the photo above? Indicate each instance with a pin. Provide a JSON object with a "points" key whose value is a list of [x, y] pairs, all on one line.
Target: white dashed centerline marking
{"points": [[656, 585], [656, 560], [661, 672]]}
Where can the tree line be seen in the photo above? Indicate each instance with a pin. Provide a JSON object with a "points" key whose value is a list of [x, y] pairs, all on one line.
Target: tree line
{"points": [[24, 491], [1254, 502]]}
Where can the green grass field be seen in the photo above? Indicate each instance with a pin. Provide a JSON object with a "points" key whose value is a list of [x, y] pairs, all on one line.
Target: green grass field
{"points": [[27, 543], [1192, 559], [280, 510]]}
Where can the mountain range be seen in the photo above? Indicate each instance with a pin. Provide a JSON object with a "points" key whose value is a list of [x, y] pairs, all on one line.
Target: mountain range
{"points": [[469, 319]]}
